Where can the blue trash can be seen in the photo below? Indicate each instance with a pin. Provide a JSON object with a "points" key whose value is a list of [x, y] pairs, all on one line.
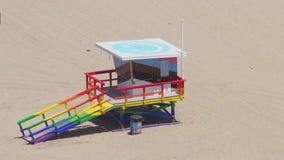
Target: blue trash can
{"points": [[136, 124]]}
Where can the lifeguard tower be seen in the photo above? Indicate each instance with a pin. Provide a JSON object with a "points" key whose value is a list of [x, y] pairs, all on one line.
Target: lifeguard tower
{"points": [[145, 75]]}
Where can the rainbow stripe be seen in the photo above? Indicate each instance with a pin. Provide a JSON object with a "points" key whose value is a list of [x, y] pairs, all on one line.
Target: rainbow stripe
{"points": [[39, 127]]}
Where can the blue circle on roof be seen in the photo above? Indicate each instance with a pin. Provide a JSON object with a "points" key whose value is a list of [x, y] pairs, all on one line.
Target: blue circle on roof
{"points": [[141, 47]]}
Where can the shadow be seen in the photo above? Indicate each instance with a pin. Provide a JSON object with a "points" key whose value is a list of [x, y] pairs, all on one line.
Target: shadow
{"points": [[109, 123], [19, 137], [80, 131]]}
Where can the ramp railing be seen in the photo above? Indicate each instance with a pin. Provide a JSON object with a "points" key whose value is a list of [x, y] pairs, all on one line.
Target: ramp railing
{"points": [[46, 120]]}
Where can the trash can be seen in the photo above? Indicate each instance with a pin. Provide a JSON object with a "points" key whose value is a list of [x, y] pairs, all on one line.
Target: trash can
{"points": [[135, 124]]}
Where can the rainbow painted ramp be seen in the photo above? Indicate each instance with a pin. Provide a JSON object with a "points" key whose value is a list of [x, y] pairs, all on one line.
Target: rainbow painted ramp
{"points": [[64, 115]]}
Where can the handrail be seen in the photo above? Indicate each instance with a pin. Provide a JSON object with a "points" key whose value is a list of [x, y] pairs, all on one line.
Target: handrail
{"points": [[101, 72], [41, 112], [68, 99], [89, 75], [88, 100], [139, 95], [79, 95], [58, 114], [61, 103], [180, 82], [72, 108], [96, 79]]}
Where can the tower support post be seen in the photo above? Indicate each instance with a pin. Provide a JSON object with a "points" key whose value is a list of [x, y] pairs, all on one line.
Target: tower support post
{"points": [[173, 111]]}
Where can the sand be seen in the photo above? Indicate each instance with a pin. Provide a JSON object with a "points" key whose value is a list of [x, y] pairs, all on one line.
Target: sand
{"points": [[234, 69]]}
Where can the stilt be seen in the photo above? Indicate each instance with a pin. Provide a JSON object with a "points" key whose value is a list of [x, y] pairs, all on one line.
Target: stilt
{"points": [[150, 107], [167, 112], [121, 119], [173, 111]]}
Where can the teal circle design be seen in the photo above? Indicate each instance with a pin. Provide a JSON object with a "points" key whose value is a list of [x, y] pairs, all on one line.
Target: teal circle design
{"points": [[141, 47]]}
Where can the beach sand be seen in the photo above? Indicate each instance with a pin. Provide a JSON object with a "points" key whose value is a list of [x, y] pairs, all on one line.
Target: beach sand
{"points": [[234, 101]]}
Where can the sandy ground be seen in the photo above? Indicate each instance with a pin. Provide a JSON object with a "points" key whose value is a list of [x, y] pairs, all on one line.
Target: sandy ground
{"points": [[234, 70]]}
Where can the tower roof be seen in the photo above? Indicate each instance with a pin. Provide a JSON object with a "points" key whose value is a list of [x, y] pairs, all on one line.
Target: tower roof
{"points": [[140, 49]]}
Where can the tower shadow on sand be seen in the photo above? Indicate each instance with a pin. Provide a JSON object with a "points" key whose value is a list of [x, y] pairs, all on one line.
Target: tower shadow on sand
{"points": [[107, 124]]}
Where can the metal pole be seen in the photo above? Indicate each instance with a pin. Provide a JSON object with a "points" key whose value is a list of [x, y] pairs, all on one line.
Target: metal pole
{"points": [[121, 119], [182, 48], [173, 111], [131, 72]]}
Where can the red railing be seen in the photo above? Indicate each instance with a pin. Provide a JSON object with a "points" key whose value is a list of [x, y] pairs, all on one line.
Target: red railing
{"points": [[92, 81], [179, 82]]}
